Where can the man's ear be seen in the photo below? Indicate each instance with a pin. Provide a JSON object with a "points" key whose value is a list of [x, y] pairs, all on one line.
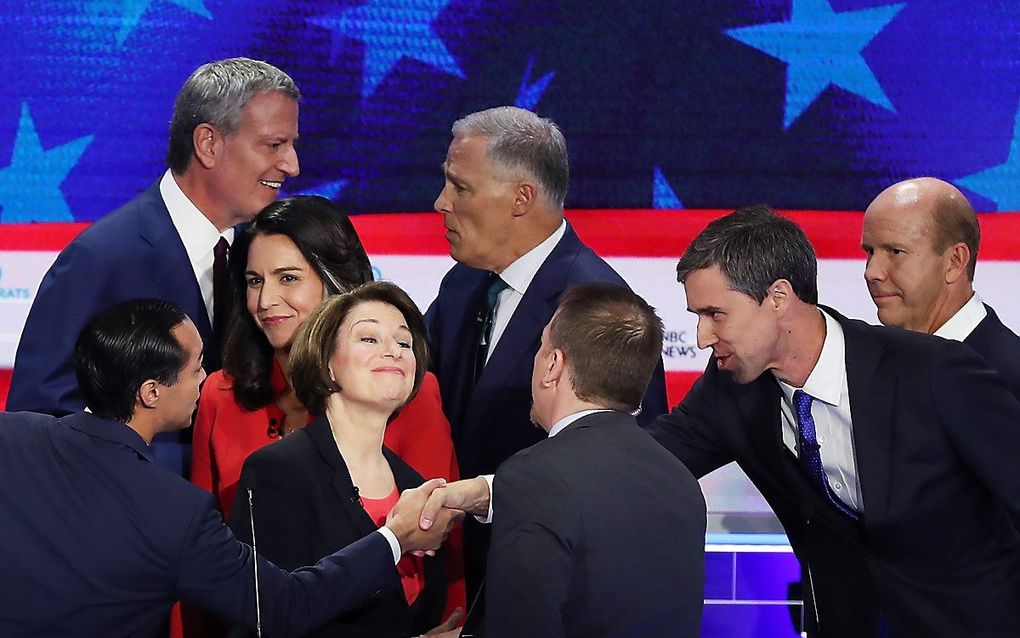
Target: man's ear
{"points": [[780, 294], [958, 256], [524, 198], [555, 368], [148, 394], [208, 144]]}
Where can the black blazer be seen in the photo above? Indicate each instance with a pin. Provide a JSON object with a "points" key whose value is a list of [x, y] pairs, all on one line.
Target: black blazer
{"points": [[1000, 347], [597, 531], [306, 506], [937, 441]]}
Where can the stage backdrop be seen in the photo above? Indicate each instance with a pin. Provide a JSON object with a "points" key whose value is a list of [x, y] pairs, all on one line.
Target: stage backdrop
{"points": [[804, 104]]}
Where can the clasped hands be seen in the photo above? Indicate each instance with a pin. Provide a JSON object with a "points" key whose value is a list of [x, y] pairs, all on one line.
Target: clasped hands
{"points": [[423, 517]]}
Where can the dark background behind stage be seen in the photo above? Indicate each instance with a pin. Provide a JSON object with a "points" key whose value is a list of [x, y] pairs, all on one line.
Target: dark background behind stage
{"points": [[805, 104]]}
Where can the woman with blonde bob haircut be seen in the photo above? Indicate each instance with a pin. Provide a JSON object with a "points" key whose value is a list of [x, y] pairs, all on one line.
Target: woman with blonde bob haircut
{"points": [[358, 358]]}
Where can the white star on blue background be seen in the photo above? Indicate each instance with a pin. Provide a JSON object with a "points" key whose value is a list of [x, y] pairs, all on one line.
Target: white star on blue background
{"points": [[822, 48], [30, 185], [391, 30], [1001, 183], [134, 9], [529, 94], [663, 195]]}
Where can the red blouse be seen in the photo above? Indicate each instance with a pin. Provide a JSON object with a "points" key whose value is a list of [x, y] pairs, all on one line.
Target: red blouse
{"points": [[410, 568]]}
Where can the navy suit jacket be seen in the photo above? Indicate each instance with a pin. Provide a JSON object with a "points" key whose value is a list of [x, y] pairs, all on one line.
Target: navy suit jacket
{"points": [[597, 531], [1000, 346], [133, 252], [95, 540], [936, 439], [492, 422]]}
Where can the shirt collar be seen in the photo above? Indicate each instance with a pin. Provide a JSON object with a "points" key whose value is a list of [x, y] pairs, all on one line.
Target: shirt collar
{"points": [[519, 274], [964, 321], [827, 378], [197, 233], [112, 431], [570, 418]]}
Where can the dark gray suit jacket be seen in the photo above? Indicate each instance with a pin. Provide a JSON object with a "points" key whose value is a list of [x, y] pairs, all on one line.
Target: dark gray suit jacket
{"points": [[597, 531]]}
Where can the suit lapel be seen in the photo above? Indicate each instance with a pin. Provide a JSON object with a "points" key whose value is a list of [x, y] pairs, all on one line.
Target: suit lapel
{"points": [[524, 330], [981, 337], [168, 262], [758, 404], [340, 479], [871, 412], [459, 348]]}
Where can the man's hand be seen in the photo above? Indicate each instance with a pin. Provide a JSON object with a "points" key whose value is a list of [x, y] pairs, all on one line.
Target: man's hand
{"points": [[448, 629], [403, 519], [470, 496]]}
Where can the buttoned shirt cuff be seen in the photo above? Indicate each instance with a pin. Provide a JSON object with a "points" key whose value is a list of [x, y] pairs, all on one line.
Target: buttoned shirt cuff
{"points": [[488, 516], [391, 538]]}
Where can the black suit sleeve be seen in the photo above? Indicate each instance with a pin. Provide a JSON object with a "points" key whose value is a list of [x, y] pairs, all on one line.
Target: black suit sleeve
{"points": [[981, 417], [537, 523], [216, 572], [692, 431]]}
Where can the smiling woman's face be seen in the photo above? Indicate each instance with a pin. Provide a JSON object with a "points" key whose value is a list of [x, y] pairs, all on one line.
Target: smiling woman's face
{"points": [[282, 288], [372, 360]]}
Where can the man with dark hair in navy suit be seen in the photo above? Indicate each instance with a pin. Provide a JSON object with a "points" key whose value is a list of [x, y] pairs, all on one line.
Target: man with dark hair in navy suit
{"points": [[231, 147], [502, 203], [96, 540], [921, 237]]}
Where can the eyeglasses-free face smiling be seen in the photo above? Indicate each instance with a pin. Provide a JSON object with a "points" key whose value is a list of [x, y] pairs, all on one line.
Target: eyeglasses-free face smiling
{"points": [[372, 362], [282, 288]]}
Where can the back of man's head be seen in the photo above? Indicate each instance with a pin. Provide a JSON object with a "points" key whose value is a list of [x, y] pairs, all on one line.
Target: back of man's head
{"points": [[215, 94], [121, 348], [525, 145], [754, 247], [611, 340]]}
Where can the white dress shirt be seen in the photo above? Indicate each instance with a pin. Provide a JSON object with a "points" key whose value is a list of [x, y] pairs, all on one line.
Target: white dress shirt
{"points": [[830, 410], [518, 277], [964, 321], [197, 233]]}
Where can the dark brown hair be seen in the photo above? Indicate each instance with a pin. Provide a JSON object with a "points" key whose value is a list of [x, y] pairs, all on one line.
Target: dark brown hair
{"points": [[316, 340], [611, 339], [754, 247], [330, 245]]}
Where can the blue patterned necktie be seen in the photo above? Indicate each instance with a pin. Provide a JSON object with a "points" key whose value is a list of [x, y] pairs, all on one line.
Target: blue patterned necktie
{"points": [[810, 453]]}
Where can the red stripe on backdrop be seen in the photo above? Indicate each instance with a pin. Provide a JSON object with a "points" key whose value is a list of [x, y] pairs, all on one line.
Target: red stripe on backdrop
{"points": [[677, 385], [5, 384], [52, 237], [612, 233]]}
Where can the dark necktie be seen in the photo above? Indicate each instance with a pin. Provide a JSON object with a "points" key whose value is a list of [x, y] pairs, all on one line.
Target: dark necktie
{"points": [[487, 317], [221, 290], [810, 453]]}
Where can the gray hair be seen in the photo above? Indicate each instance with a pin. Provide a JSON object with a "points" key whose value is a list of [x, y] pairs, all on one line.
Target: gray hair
{"points": [[215, 94], [523, 142]]}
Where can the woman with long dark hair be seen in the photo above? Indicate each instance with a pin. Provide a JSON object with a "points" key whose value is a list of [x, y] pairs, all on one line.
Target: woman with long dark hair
{"points": [[296, 253]]}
